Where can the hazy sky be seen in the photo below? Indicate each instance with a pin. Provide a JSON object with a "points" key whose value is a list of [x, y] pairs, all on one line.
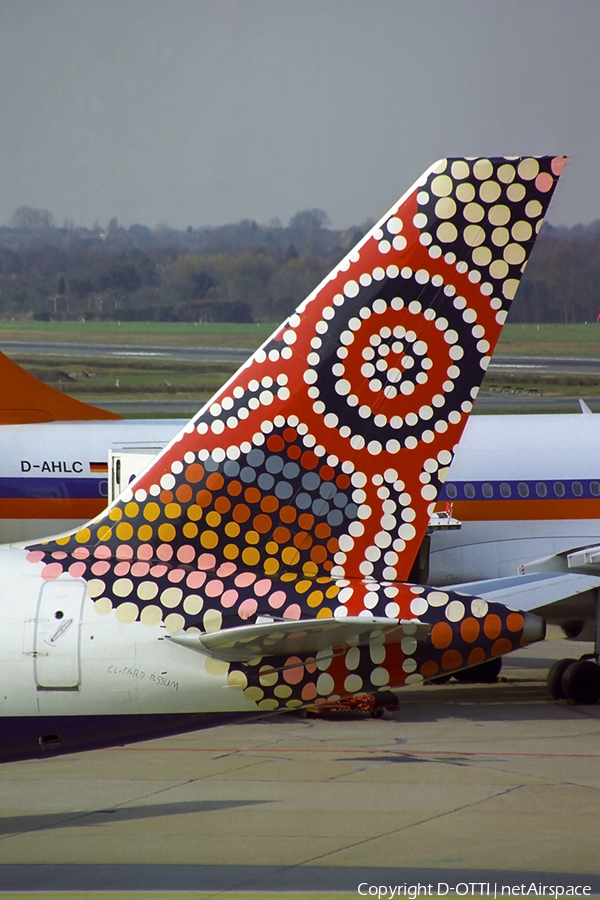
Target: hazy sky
{"points": [[209, 111]]}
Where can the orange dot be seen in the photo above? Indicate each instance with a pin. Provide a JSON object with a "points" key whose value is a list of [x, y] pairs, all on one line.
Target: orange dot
{"points": [[294, 451], [305, 521], [184, 493], [322, 531], [269, 504], [492, 626], [318, 554], [234, 488], [275, 443], [302, 540], [222, 505], [166, 497], [252, 495], [194, 473], [441, 635], [476, 656], [469, 630], [241, 513], [326, 473], [501, 646], [290, 435], [309, 460], [429, 668], [204, 498], [451, 659], [215, 481], [287, 514], [262, 523], [514, 621], [333, 545], [343, 481], [281, 535]]}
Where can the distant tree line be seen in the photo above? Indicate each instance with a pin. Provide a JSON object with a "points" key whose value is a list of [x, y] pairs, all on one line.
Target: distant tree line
{"points": [[239, 273]]}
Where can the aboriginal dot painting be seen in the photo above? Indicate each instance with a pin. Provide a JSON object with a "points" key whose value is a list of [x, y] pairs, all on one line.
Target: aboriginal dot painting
{"points": [[303, 490]]}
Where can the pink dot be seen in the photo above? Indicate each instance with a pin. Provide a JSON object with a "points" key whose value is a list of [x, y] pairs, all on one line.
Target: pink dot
{"points": [[309, 691], [247, 608], [226, 569], [206, 561], [77, 569], [245, 579], [196, 579], [277, 599], [262, 587], [145, 551], [310, 666], [122, 568], [214, 588], [35, 556], [544, 182], [158, 571], [558, 163], [165, 552], [124, 551], [80, 553], [294, 670], [59, 554], [52, 570], [186, 554], [292, 612], [99, 568], [229, 598], [140, 569], [176, 575], [102, 552]]}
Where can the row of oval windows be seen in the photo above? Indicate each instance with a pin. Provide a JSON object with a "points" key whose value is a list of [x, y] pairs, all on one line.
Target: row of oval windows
{"points": [[505, 490]]}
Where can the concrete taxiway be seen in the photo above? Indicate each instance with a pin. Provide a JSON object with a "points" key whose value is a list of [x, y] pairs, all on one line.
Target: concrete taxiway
{"points": [[493, 783]]}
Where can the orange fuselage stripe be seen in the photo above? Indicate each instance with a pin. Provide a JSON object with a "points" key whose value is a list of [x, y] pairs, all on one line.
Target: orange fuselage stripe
{"points": [[509, 510], [50, 508]]}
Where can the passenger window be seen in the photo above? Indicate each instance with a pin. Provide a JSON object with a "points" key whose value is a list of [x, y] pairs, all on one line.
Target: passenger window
{"points": [[541, 489], [469, 491], [559, 489], [595, 488], [523, 490], [451, 491], [505, 490], [577, 488], [488, 491]]}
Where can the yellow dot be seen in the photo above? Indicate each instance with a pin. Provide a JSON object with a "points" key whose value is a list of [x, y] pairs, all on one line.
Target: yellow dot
{"points": [[65, 540], [83, 536], [254, 693], [172, 510], [151, 511], [251, 556], [267, 676], [208, 539], [145, 532], [271, 566], [315, 598], [166, 532], [332, 591], [194, 513], [232, 529], [283, 691], [231, 551], [190, 530], [115, 514], [124, 531], [310, 569], [303, 586], [272, 548], [104, 534], [290, 556], [174, 623], [289, 576], [324, 613], [237, 680], [131, 510], [252, 537], [213, 519], [324, 579], [269, 703]]}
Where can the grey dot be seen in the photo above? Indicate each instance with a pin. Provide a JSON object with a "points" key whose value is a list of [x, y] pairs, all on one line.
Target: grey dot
{"points": [[351, 510], [320, 507], [265, 481], [290, 470], [311, 481], [255, 458], [231, 468], [211, 465], [247, 474], [340, 499], [274, 464], [283, 490], [303, 501], [335, 517], [327, 490]]}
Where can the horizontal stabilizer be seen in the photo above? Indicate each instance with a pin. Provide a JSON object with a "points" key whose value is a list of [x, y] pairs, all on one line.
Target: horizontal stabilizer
{"points": [[534, 592], [309, 636]]}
